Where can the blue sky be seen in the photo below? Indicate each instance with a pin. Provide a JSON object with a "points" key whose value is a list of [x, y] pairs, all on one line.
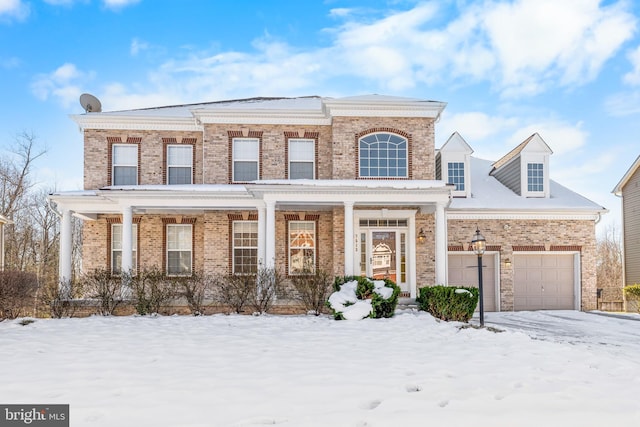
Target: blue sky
{"points": [[569, 70]]}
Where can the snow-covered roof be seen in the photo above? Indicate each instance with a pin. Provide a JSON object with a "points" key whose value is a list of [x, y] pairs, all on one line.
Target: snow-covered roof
{"points": [[489, 194], [312, 110]]}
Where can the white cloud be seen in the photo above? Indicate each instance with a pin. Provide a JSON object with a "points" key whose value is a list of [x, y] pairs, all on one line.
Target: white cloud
{"points": [[623, 103], [118, 4], [633, 77], [14, 9], [521, 48], [340, 12], [474, 126], [63, 84], [137, 46]]}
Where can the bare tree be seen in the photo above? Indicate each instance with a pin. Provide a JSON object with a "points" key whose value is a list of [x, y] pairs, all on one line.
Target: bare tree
{"points": [[16, 202], [609, 264]]}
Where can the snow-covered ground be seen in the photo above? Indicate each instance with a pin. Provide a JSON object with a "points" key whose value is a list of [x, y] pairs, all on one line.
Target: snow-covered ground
{"points": [[545, 369]]}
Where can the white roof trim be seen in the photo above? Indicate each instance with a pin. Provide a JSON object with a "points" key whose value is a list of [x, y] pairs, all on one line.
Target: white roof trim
{"points": [[262, 116], [627, 176], [506, 215], [384, 107], [128, 122]]}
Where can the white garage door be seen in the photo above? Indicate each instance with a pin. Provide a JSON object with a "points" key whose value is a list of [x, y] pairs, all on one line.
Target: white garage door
{"points": [[543, 282], [463, 271]]}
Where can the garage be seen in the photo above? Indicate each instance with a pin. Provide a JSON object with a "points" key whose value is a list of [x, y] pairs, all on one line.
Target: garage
{"points": [[544, 281], [463, 271]]}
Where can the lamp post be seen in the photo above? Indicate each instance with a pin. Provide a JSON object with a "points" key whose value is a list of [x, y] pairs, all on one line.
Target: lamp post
{"points": [[479, 244]]}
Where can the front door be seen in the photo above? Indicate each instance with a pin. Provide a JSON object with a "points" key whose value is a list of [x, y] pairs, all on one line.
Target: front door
{"points": [[384, 254]]}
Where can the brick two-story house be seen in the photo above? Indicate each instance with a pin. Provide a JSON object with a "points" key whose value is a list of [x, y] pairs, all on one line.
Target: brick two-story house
{"points": [[351, 185]]}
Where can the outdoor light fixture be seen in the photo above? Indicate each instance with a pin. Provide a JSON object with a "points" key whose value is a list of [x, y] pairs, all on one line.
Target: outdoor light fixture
{"points": [[507, 262], [479, 245], [422, 236]]}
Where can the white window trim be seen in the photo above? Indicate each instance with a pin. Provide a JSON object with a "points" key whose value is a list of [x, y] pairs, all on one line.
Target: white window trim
{"points": [[134, 247], [114, 165], [455, 157], [190, 165], [527, 159], [178, 250], [234, 247], [290, 247], [234, 159], [313, 153]]}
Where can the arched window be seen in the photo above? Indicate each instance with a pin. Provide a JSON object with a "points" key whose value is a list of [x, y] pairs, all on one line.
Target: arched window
{"points": [[383, 155]]}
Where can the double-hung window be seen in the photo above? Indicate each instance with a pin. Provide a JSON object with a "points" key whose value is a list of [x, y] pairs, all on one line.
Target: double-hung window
{"points": [[125, 164], [245, 247], [179, 164], [179, 249], [116, 248], [383, 155], [455, 175], [301, 158], [246, 154], [302, 247], [535, 177]]}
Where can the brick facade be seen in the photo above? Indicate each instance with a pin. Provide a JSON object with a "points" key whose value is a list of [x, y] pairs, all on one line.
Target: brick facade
{"points": [[546, 235], [336, 156]]}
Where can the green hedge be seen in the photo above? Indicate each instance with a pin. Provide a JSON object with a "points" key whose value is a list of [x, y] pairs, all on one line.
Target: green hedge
{"points": [[632, 292], [443, 302], [381, 307]]}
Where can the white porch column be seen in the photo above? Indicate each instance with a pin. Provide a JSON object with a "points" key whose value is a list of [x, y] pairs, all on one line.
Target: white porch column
{"points": [[127, 239], [441, 244], [270, 235], [348, 239], [262, 238], [64, 261]]}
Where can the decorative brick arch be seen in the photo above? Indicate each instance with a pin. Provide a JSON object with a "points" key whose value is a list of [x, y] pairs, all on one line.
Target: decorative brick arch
{"points": [[395, 131]]}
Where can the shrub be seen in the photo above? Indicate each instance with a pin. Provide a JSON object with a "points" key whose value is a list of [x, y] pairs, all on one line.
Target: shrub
{"points": [[58, 296], [268, 282], [632, 293], [17, 288], [312, 289], [448, 302], [150, 290], [235, 290], [195, 289], [104, 287], [367, 297]]}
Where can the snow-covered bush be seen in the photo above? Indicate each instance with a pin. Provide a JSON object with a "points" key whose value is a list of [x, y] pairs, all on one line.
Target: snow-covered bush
{"points": [[357, 297], [448, 302]]}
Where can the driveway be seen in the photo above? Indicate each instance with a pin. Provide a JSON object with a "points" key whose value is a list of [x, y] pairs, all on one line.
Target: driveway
{"points": [[575, 327]]}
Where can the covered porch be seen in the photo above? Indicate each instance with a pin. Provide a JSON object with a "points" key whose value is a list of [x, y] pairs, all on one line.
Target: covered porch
{"points": [[376, 216]]}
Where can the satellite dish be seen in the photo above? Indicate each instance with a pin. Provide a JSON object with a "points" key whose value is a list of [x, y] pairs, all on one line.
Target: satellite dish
{"points": [[90, 103]]}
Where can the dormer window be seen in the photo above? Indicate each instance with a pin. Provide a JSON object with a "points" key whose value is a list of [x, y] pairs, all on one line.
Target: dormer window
{"points": [[535, 177], [453, 165], [455, 175], [525, 169]]}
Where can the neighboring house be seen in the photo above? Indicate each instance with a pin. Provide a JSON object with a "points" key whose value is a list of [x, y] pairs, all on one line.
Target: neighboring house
{"points": [[628, 189], [3, 222], [352, 185]]}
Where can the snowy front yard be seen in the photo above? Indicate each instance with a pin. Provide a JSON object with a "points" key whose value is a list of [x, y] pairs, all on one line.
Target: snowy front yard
{"points": [[561, 369]]}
